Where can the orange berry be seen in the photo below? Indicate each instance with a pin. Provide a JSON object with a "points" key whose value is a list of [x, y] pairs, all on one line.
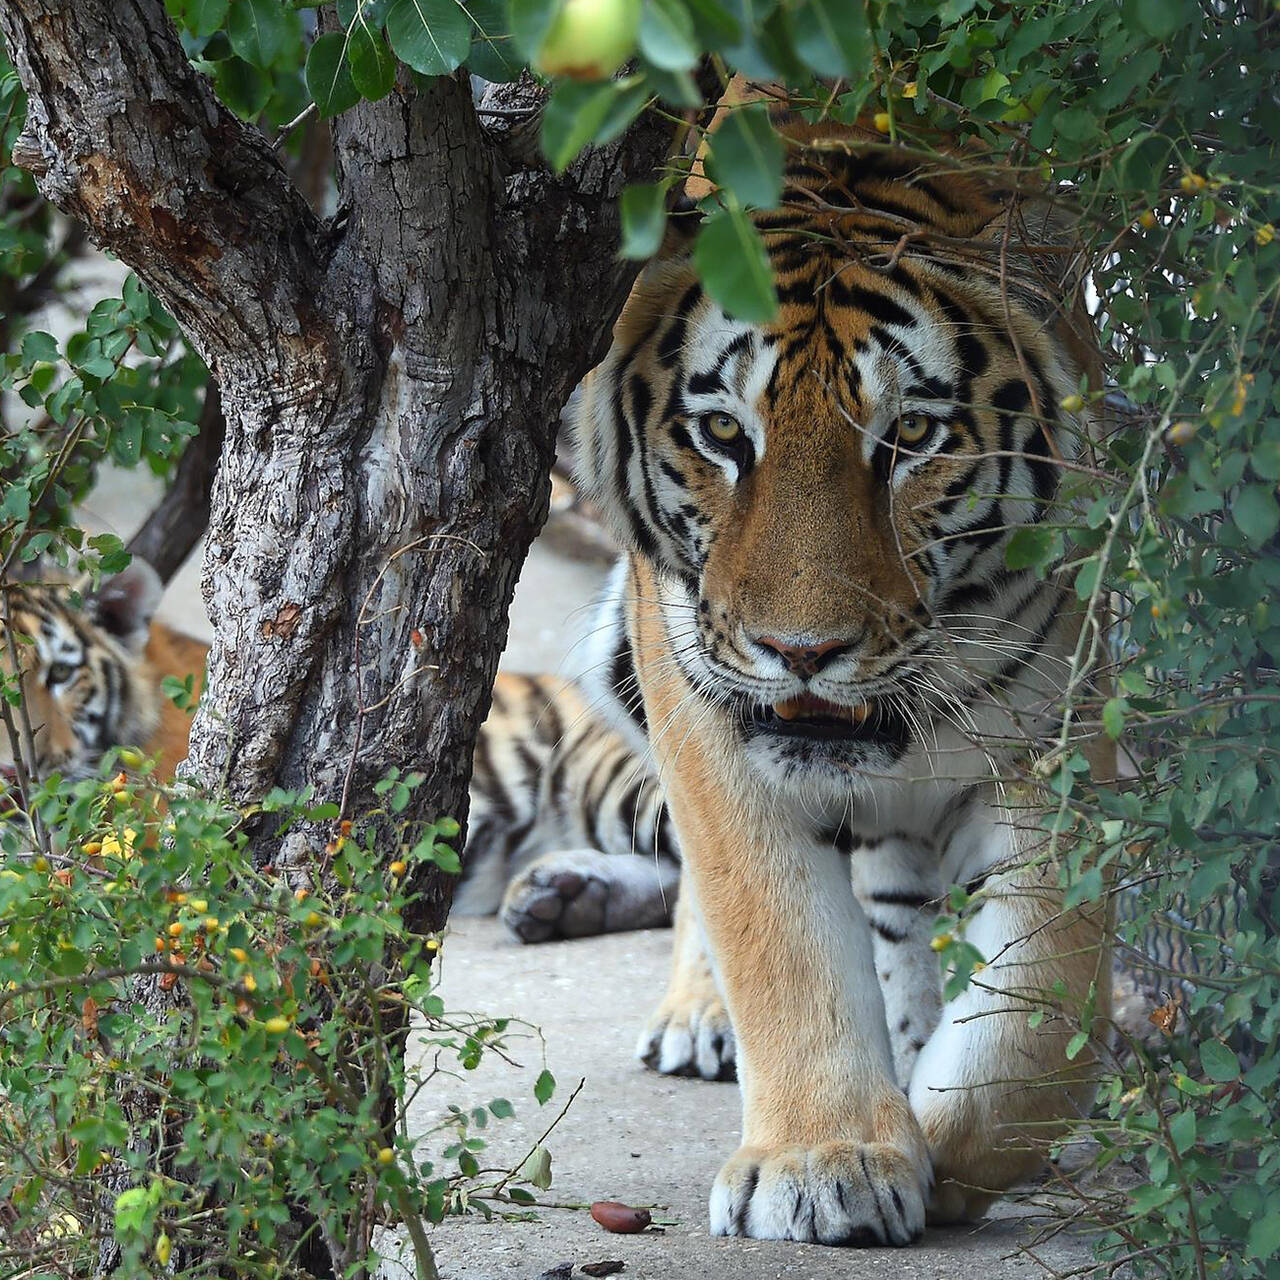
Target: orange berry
{"points": [[398, 868]]}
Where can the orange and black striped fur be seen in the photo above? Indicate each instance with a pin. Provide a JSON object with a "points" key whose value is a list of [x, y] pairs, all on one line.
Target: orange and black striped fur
{"points": [[91, 674], [568, 835], [843, 679]]}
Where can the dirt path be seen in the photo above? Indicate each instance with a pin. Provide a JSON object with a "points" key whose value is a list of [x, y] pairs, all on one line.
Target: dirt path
{"points": [[641, 1138]]}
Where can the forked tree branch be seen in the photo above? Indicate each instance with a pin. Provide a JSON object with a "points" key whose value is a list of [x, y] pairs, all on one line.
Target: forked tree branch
{"points": [[124, 134]]}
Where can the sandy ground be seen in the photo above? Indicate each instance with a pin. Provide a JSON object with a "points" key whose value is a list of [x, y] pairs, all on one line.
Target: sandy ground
{"points": [[640, 1138]]}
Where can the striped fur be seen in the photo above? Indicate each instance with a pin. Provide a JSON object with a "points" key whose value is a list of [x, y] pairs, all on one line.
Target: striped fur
{"points": [[568, 834], [86, 680], [839, 676]]}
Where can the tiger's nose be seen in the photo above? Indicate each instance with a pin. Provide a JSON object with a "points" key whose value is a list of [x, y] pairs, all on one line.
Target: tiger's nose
{"points": [[805, 659]]}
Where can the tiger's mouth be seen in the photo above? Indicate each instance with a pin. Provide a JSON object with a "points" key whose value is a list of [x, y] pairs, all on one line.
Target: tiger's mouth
{"points": [[810, 717]]}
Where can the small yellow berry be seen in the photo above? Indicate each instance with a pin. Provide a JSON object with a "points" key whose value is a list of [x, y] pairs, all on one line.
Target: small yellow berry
{"points": [[386, 1155], [175, 929], [1193, 182], [941, 942], [1181, 433], [277, 1025], [239, 953], [301, 895], [398, 868], [433, 944], [882, 121], [1156, 610], [909, 90], [198, 905], [91, 848], [210, 924], [1147, 219], [313, 919], [249, 982], [41, 864], [1073, 403], [164, 1247], [1265, 234]]}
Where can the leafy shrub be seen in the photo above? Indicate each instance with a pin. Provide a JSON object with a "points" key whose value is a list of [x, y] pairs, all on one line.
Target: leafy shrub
{"points": [[166, 1007]]}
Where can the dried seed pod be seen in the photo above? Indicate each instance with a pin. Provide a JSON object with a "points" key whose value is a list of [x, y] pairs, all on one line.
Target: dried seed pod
{"points": [[621, 1219]]}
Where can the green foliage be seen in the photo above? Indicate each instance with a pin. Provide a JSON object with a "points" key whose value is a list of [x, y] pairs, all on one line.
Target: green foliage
{"points": [[160, 996], [1157, 122]]}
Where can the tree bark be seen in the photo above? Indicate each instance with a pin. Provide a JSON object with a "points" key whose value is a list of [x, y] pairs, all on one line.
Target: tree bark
{"points": [[391, 382]]}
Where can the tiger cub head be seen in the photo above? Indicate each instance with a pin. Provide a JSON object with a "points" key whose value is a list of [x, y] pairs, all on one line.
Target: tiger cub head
{"points": [[85, 680], [828, 497]]}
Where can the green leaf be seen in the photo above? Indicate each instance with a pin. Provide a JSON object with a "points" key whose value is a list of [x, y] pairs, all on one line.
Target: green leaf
{"points": [[644, 219], [573, 115], [1264, 1236], [493, 55], [536, 1169], [747, 157], [366, 13], [1075, 1044], [328, 79], [530, 22], [502, 1108], [373, 69], [543, 1087], [1157, 18], [1255, 512], [432, 36], [1218, 1062], [832, 37], [1113, 717], [1029, 547], [667, 37], [204, 17], [257, 30], [1182, 1129], [734, 267]]}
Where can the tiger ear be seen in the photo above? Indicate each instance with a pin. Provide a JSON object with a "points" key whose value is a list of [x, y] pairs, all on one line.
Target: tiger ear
{"points": [[125, 604]]}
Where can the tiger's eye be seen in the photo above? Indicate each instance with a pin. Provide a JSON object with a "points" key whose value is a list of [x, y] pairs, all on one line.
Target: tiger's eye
{"points": [[59, 673], [913, 427], [724, 428]]}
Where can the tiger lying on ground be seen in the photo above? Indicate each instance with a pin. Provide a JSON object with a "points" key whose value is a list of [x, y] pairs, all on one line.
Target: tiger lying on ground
{"points": [[837, 666], [91, 676]]}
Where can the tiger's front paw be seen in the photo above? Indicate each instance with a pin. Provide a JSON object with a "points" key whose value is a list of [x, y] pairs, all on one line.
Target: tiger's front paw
{"points": [[845, 1193], [690, 1034]]}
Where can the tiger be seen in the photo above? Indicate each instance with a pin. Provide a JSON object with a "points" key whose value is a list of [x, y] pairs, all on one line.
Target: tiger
{"points": [[91, 672], [568, 834], [841, 677]]}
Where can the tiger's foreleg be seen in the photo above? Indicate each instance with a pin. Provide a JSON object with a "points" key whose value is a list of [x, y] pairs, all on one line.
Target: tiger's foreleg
{"points": [[689, 1033], [989, 1088]]}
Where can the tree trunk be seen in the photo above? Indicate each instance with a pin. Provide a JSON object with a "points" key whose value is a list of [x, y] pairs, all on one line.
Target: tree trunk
{"points": [[391, 382]]}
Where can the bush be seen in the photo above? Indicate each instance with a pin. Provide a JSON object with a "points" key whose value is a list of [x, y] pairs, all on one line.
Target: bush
{"points": [[165, 1007]]}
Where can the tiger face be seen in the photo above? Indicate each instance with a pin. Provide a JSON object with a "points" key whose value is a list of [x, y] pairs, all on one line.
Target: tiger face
{"points": [[828, 497], [85, 682]]}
